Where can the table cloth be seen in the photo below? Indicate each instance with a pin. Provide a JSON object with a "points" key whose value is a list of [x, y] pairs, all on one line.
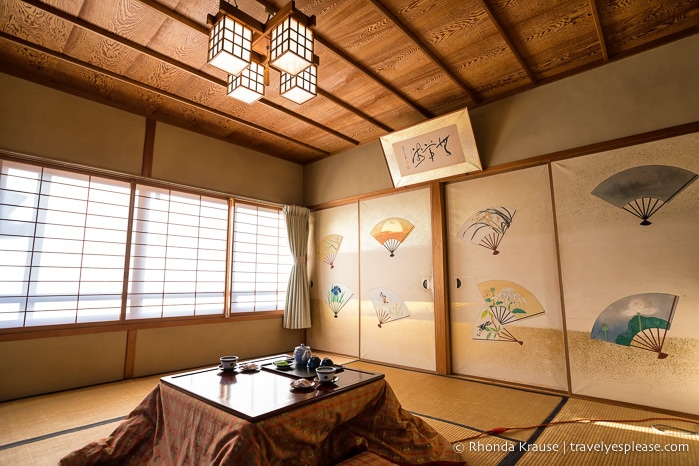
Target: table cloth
{"points": [[170, 427]]}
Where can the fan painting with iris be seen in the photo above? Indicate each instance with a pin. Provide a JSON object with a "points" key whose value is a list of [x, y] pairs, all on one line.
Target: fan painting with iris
{"points": [[337, 296]]}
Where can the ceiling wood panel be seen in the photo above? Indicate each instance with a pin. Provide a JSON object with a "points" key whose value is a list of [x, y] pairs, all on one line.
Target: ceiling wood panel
{"points": [[384, 64], [630, 27]]}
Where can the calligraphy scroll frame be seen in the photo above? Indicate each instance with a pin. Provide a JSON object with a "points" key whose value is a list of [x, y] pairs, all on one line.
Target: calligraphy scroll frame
{"points": [[411, 153]]}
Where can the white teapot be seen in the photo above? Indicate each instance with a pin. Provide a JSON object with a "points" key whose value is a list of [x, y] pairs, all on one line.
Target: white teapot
{"points": [[302, 354]]}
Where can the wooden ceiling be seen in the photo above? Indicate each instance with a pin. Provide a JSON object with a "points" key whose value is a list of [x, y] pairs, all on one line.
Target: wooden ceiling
{"points": [[384, 64]]}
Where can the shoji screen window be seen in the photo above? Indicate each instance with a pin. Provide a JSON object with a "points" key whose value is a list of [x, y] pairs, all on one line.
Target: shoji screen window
{"points": [[261, 259], [178, 254], [62, 246]]}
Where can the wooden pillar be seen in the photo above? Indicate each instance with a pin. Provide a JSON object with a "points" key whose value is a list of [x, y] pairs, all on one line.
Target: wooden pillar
{"points": [[146, 170], [148, 146], [130, 359], [440, 285]]}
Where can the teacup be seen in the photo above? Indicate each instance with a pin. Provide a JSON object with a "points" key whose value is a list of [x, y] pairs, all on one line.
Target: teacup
{"points": [[313, 362], [228, 362], [325, 373]]}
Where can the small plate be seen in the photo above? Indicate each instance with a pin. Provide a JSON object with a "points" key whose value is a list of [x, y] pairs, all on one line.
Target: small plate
{"points": [[285, 367], [242, 368], [313, 386], [225, 370], [335, 379]]}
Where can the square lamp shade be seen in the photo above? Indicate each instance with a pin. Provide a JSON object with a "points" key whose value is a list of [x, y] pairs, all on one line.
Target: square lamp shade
{"points": [[291, 46], [249, 85], [300, 87], [230, 44]]}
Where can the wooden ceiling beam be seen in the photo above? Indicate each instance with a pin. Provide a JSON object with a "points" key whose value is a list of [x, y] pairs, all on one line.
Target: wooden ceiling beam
{"points": [[176, 16], [354, 110], [375, 77], [508, 40], [146, 87], [338, 134], [272, 8], [427, 51], [600, 30], [179, 65]]}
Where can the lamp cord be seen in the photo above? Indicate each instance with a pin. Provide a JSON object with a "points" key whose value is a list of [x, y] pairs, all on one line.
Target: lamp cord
{"points": [[500, 430]]}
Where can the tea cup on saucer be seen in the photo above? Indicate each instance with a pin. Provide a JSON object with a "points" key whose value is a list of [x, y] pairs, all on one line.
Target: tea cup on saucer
{"points": [[228, 363], [325, 374]]}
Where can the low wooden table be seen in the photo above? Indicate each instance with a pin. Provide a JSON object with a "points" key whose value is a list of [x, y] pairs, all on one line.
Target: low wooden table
{"points": [[254, 396], [209, 417]]}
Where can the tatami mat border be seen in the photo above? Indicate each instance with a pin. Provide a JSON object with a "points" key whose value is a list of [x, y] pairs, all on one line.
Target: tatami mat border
{"points": [[514, 456], [59, 433], [475, 429], [464, 378]]}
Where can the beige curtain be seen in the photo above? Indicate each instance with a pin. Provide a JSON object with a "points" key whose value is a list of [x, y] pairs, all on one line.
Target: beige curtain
{"points": [[297, 310]]}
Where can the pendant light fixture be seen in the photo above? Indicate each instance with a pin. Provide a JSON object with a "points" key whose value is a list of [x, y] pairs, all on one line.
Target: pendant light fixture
{"points": [[300, 87], [290, 38], [291, 47], [249, 84], [230, 44]]}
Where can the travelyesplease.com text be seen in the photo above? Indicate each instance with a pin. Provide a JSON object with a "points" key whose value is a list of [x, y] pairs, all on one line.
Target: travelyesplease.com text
{"points": [[571, 447]]}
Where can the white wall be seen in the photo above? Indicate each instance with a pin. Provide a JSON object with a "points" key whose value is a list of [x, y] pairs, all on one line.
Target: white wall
{"points": [[192, 159], [39, 121], [645, 92], [36, 120]]}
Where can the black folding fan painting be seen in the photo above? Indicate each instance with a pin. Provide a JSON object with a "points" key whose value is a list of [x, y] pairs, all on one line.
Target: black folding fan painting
{"points": [[643, 190]]}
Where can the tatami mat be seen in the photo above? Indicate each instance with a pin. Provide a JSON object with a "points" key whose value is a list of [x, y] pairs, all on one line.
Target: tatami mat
{"points": [[42, 415], [483, 451], [479, 406], [618, 440], [41, 430], [49, 450]]}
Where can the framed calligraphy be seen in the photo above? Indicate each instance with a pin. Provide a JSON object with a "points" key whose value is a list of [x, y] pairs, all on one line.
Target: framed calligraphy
{"points": [[438, 148]]}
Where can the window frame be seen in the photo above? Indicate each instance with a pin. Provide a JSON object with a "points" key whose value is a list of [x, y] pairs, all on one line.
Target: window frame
{"points": [[262, 229], [225, 316]]}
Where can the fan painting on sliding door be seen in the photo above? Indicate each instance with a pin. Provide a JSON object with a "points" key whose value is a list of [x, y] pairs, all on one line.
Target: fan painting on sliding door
{"points": [[333, 261], [397, 311], [506, 303], [639, 321], [628, 224], [487, 227], [506, 320], [328, 247], [642, 191]]}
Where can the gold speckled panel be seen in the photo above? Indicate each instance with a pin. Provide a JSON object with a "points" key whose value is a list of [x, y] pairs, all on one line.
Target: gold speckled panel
{"points": [[526, 257], [334, 229], [607, 255]]}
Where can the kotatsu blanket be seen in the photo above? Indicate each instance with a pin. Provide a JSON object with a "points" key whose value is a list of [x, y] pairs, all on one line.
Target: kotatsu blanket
{"points": [[170, 427]]}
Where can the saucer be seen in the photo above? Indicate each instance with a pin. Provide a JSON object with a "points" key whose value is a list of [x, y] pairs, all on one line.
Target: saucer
{"points": [[220, 367], [335, 379]]}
